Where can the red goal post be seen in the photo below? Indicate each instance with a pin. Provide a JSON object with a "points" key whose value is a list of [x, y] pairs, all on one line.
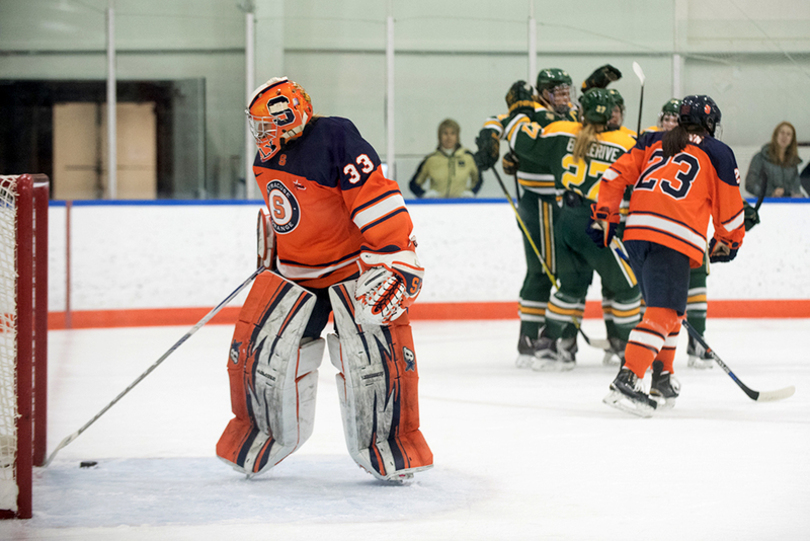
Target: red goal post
{"points": [[23, 337]]}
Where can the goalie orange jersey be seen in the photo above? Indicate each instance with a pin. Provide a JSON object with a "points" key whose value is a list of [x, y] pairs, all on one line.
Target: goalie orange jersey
{"points": [[329, 201], [673, 198]]}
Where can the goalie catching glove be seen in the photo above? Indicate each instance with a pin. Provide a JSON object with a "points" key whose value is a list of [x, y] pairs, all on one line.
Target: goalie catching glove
{"points": [[387, 285], [720, 252], [602, 225]]}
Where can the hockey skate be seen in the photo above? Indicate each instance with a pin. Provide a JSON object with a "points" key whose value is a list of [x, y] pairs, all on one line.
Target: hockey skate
{"points": [[627, 394], [664, 387], [558, 356], [698, 356], [526, 351], [401, 477], [615, 355]]}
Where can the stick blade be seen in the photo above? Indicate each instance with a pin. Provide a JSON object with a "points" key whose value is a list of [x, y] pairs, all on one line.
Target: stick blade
{"points": [[639, 72], [779, 394], [600, 343]]}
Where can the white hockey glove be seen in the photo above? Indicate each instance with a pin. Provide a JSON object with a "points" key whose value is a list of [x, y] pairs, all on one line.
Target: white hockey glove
{"points": [[387, 285], [266, 240]]}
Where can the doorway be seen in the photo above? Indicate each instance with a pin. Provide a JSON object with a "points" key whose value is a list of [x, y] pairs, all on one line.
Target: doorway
{"points": [[59, 128], [80, 155]]}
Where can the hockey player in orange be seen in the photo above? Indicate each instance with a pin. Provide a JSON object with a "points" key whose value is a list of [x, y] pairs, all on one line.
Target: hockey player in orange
{"points": [[337, 238], [680, 178]]}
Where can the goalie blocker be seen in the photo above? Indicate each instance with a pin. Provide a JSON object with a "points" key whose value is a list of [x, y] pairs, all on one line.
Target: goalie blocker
{"points": [[274, 375]]}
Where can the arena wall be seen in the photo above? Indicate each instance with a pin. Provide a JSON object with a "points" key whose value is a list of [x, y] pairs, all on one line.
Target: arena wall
{"points": [[147, 262]]}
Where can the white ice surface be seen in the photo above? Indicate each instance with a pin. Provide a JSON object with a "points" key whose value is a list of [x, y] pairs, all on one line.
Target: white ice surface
{"points": [[519, 455]]}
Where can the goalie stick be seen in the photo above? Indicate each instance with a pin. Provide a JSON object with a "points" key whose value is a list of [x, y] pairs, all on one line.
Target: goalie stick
{"points": [[162, 358], [600, 344], [759, 396]]}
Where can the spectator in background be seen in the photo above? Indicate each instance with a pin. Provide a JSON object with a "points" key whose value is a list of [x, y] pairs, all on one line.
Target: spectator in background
{"points": [[450, 170], [775, 168]]}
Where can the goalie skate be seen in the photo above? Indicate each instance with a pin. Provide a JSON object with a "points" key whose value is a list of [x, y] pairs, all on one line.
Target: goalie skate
{"points": [[627, 394]]}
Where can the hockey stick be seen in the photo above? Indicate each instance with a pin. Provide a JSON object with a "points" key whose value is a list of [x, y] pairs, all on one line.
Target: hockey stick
{"points": [[759, 396], [149, 370], [762, 189], [640, 75], [601, 344]]}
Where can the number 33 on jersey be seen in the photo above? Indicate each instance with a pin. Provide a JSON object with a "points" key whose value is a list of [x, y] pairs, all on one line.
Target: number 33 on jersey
{"points": [[308, 187]]}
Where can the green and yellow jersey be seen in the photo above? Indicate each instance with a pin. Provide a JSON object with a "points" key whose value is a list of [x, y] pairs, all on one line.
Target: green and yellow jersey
{"points": [[628, 131], [552, 148], [531, 175]]}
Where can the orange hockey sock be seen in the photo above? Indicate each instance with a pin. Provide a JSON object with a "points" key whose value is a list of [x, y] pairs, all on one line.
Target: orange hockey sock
{"points": [[649, 338], [667, 353]]}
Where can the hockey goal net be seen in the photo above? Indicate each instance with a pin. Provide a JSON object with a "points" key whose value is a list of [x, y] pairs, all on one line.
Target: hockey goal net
{"points": [[23, 337]]}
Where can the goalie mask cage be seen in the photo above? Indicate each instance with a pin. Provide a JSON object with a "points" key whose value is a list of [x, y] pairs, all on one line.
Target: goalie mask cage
{"points": [[23, 337]]}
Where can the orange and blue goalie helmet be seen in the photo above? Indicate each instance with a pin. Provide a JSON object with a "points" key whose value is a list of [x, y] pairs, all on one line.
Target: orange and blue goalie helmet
{"points": [[277, 112]]}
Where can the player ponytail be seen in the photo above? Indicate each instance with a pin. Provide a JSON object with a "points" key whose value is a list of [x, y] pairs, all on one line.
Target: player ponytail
{"points": [[676, 139], [585, 138]]}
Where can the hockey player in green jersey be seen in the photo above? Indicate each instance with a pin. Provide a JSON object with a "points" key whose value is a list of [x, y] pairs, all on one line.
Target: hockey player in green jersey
{"points": [[616, 121], [537, 207], [668, 117], [615, 354], [577, 154]]}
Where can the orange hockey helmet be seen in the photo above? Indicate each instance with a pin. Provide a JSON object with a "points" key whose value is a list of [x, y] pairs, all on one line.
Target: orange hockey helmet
{"points": [[277, 111]]}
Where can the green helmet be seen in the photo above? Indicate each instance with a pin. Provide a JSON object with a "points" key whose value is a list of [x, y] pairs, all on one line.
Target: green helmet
{"points": [[617, 97], [597, 105], [672, 107], [549, 78]]}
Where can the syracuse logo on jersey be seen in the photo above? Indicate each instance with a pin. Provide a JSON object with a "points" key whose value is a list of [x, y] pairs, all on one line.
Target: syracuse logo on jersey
{"points": [[284, 207]]}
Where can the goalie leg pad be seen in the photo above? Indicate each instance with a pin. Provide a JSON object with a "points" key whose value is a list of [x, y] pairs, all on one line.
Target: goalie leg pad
{"points": [[273, 379], [377, 387]]}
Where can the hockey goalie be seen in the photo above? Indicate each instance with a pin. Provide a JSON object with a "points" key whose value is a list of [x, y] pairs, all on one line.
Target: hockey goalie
{"points": [[335, 238]]}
